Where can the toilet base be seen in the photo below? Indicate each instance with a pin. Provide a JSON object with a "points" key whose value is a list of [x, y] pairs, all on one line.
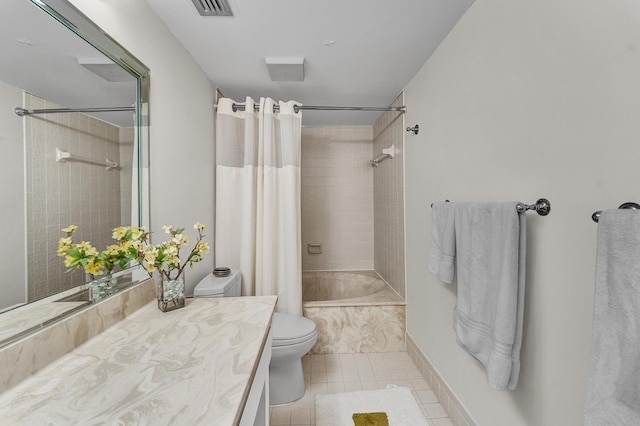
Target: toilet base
{"points": [[286, 382]]}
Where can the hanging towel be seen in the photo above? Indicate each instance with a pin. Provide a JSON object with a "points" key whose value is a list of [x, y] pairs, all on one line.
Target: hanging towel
{"points": [[490, 258], [443, 241], [613, 388]]}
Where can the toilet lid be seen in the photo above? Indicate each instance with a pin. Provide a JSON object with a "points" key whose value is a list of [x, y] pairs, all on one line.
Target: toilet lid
{"points": [[289, 329]]}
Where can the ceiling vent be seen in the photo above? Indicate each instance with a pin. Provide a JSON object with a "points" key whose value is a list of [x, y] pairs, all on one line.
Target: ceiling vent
{"points": [[213, 7], [285, 69]]}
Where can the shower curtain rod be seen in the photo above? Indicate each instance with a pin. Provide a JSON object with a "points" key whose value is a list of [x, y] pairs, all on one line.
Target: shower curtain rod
{"points": [[296, 108], [23, 111]]}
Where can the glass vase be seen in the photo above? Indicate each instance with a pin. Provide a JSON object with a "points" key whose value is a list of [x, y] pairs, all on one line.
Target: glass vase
{"points": [[103, 287], [170, 294]]}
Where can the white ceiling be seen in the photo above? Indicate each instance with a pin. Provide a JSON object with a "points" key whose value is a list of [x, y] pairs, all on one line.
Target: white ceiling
{"points": [[357, 52], [40, 55]]}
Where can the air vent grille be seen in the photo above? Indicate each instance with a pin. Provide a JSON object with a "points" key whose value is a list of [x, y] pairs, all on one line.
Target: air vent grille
{"points": [[213, 7]]}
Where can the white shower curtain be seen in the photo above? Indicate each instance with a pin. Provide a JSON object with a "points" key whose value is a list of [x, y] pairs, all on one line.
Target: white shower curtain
{"points": [[258, 199]]}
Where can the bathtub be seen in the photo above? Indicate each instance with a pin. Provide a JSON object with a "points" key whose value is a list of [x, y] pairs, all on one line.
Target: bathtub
{"points": [[355, 311]]}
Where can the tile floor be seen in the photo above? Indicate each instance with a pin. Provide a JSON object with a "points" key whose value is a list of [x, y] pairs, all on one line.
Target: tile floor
{"points": [[334, 373]]}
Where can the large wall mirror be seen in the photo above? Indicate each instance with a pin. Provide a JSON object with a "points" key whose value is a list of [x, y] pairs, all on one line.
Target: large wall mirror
{"points": [[74, 134]]}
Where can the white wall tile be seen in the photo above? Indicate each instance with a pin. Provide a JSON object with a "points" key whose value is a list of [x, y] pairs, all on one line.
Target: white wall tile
{"points": [[337, 194], [59, 194], [389, 199]]}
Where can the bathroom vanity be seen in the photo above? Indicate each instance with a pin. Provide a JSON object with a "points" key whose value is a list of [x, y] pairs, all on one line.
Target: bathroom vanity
{"points": [[207, 363]]}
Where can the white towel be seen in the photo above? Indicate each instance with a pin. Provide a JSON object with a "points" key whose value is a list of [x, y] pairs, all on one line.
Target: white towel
{"points": [[613, 388], [490, 254], [443, 241]]}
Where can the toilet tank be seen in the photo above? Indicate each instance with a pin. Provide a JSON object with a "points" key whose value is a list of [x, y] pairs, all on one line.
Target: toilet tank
{"points": [[212, 286]]}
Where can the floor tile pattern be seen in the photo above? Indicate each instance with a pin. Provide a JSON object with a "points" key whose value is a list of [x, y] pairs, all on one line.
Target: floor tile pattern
{"points": [[334, 373]]}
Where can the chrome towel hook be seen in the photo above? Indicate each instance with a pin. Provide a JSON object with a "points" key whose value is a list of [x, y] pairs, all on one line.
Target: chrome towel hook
{"points": [[413, 129]]}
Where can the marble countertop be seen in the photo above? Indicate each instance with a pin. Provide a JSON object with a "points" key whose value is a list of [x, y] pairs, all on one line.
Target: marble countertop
{"points": [[26, 317], [189, 366], [23, 319]]}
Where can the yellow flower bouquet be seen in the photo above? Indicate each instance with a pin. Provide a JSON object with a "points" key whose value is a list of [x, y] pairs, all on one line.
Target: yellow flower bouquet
{"points": [[165, 258], [133, 245], [83, 255], [130, 240]]}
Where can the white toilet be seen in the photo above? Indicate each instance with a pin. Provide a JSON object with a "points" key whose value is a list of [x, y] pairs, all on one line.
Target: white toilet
{"points": [[293, 336]]}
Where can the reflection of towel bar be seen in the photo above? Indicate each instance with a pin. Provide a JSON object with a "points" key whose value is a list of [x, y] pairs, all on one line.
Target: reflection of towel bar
{"points": [[64, 156], [542, 207]]}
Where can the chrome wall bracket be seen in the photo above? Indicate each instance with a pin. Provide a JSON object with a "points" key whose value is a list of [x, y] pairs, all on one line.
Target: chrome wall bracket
{"points": [[542, 207], [415, 129]]}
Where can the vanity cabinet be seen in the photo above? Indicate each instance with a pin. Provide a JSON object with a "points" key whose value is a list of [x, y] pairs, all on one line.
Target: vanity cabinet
{"points": [[205, 364], [256, 410]]}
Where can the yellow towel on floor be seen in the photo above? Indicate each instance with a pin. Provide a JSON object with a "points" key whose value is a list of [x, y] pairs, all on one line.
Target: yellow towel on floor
{"points": [[370, 419]]}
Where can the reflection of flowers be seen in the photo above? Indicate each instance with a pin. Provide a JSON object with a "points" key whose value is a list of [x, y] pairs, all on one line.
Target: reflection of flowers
{"points": [[133, 245], [130, 240]]}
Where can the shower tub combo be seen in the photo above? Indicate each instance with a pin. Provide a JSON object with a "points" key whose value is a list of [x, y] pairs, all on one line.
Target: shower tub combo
{"points": [[354, 312]]}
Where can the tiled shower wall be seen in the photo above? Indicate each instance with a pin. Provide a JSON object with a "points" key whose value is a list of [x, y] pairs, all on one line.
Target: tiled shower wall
{"points": [[60, 194], [127, 139], [388, 199], [337, 197]]}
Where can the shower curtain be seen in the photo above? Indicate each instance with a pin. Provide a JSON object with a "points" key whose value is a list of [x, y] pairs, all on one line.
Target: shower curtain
{"points": [[258, 199]]}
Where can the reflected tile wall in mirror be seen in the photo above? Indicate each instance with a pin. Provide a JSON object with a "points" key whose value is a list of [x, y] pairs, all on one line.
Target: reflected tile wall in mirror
{"points": [[60, 194], [127, 138]]}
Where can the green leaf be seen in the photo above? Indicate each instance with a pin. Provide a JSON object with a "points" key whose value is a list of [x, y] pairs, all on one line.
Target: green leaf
{"points": [[74, 252]]}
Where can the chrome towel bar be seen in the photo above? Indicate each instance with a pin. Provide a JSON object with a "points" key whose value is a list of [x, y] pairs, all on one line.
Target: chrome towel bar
{"points": [[542, 207], [628, 205]]}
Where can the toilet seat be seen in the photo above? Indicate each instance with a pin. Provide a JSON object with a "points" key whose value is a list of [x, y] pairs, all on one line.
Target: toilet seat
{"points": [[289, 329]]}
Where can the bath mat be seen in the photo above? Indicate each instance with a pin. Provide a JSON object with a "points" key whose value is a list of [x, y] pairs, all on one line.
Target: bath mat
{"points": [[370, 419], [337, 409]]}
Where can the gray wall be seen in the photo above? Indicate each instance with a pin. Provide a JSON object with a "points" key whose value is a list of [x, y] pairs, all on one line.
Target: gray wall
{"points": [[522, 100], [12, 212]]}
